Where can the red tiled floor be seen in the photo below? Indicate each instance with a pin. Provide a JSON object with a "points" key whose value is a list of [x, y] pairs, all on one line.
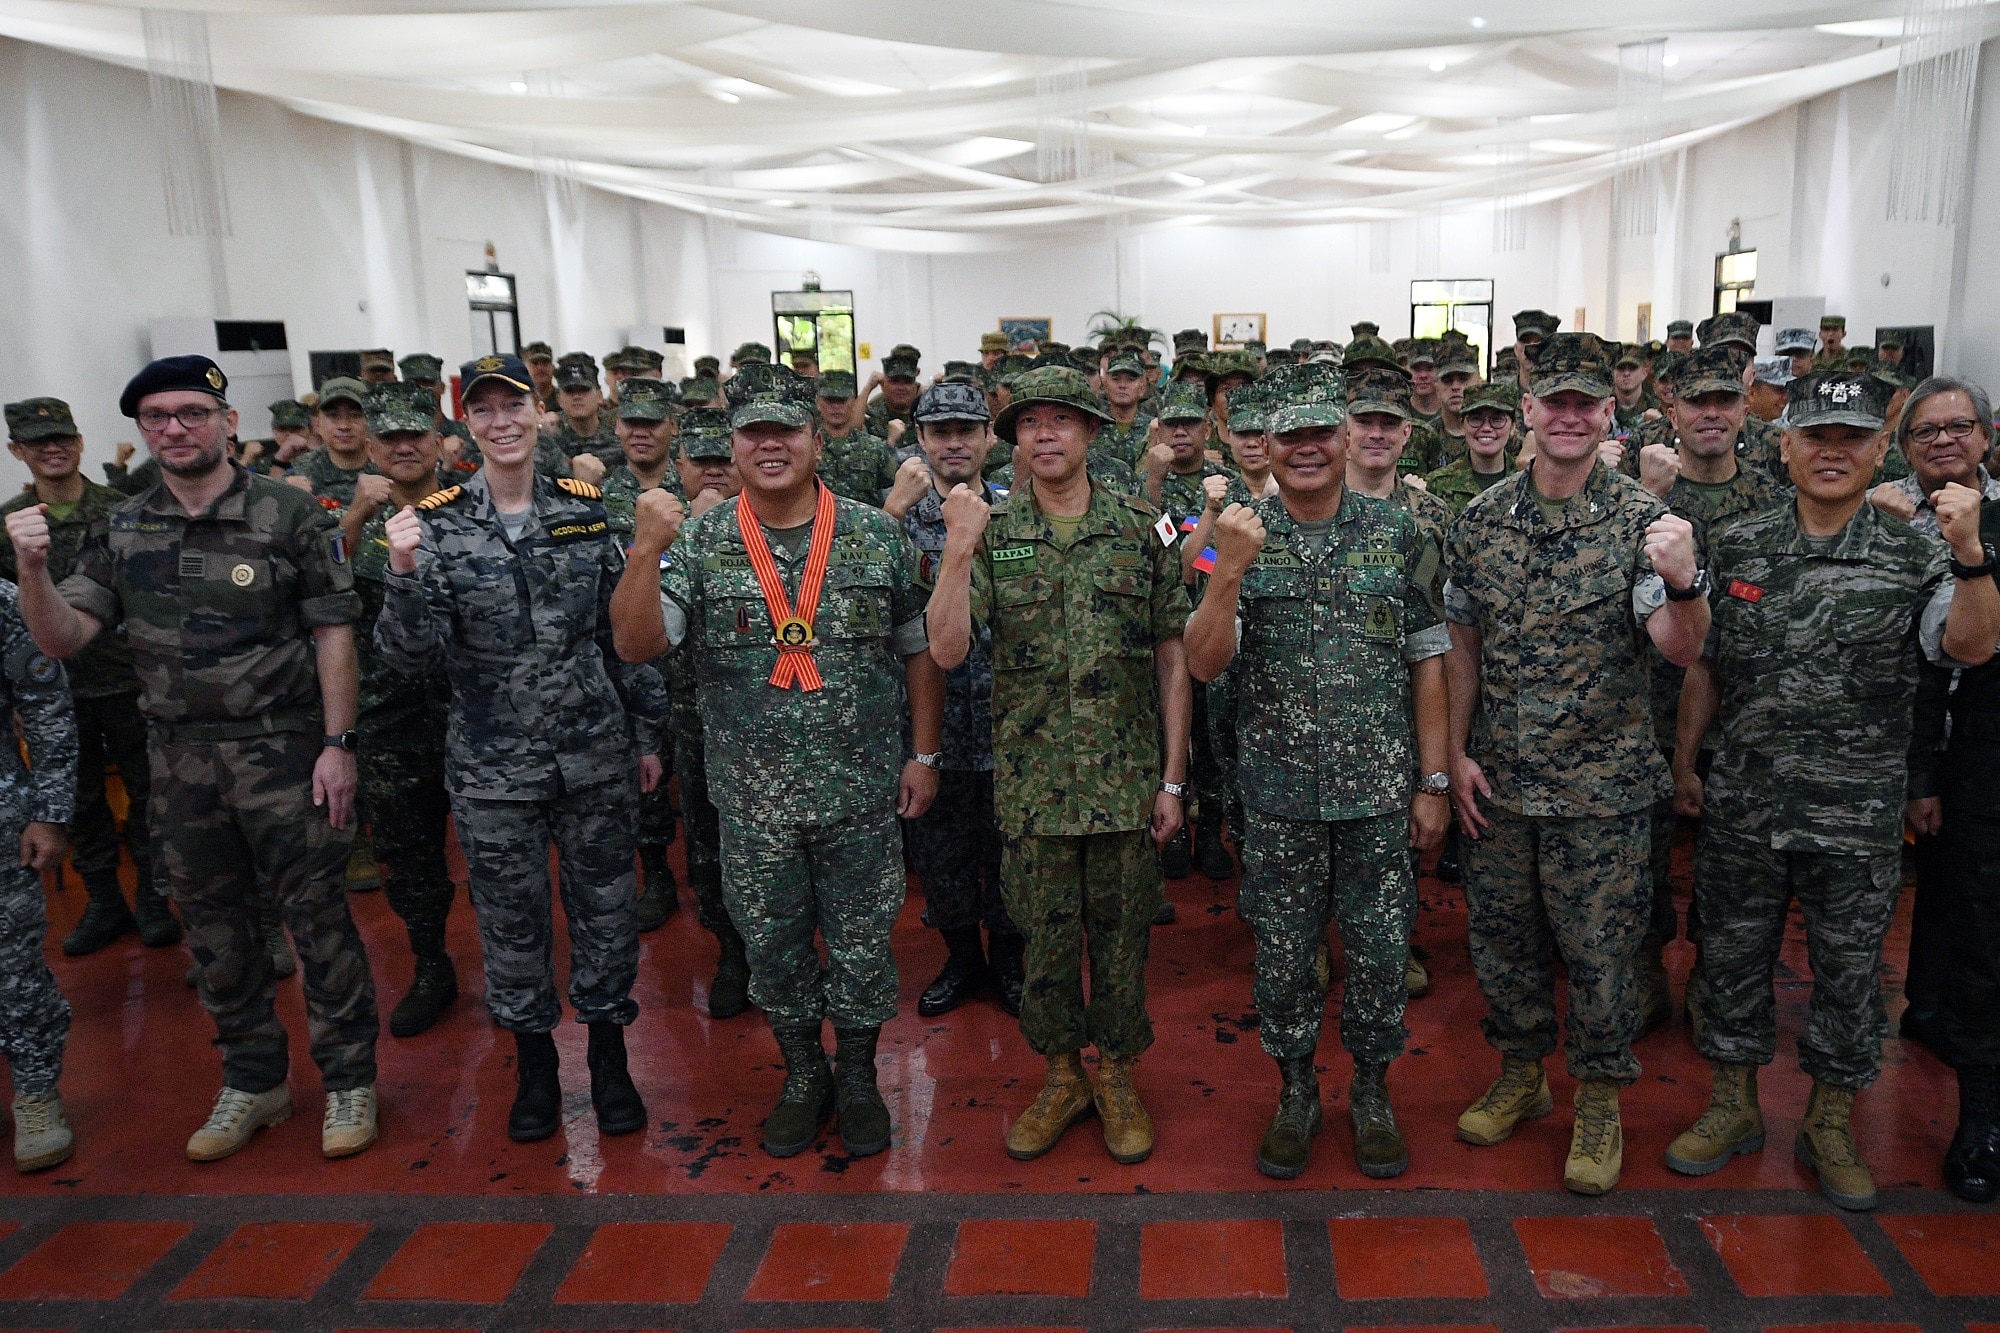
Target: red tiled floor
{"points": [[814, 1330], [645, 1263], [1956, 1255], [1641, 1328], [273, 1261], [1022, 1258], [1020, 1328], [1422, 1328], [1388, 1257], [90, 1261], [814, 1261], [459, 1261], [1843, 1328], [1793, 1256], [1598, 1256], [1211, 1260]]}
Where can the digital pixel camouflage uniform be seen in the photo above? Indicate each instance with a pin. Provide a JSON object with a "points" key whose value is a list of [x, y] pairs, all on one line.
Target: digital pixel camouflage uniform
{"points": [[1564, 732], [1327, 763], [218, 609], [656, 826], [1127, 444], [540, 747], [857, 466], [1817, 645], [328, 477], [1458, 485], [806, 782], [601, 444], [1076, 751], [34, 1016], [1184, 496]]}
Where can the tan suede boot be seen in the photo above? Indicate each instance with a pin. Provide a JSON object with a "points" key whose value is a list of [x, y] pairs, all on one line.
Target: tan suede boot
{"points": [[1064, 1100], [1826, 1144], [1597, 1143], [1128, 1130], [1732, 1124], [1520, 1093]]}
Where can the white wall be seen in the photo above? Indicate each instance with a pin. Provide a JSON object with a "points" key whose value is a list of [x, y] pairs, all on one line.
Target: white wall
{"points": [[323, 240]]}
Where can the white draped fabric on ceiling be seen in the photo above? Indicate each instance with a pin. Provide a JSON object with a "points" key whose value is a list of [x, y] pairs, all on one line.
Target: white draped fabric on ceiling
{"points": [[945, 125]]}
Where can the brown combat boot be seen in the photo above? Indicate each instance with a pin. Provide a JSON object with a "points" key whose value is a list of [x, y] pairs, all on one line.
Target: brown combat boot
{"points": [[1065, 1099], [1128, 1130], [1732, 1124], [1826, 1144], [1596, 1142], [1378, 1143], [1520, 1093]]}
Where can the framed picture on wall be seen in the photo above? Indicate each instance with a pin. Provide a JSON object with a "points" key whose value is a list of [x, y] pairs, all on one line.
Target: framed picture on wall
{"points": [[1036, 330], [1235, 330]]}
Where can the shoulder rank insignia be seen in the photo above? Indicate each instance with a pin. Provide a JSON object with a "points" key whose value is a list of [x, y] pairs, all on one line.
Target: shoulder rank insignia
{"points": [[439, 499], [581, 489]]}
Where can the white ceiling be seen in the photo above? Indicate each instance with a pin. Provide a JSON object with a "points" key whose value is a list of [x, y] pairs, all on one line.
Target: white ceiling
{"points": [[913, 124]]}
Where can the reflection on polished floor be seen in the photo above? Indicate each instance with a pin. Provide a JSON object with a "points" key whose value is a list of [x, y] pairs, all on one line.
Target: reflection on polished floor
{"points": [[447, 1224]]}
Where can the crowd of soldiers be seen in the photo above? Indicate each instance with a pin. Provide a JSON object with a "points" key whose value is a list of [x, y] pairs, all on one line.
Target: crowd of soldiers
{"points": [[1047, 627]]}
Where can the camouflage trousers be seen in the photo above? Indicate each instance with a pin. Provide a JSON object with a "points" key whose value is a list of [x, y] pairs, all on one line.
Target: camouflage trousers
{"points": [[1542, 888], [34, 1016], [656, 807], [843, 881], [1746, 891], [245, 831], [506, 846], [1204, 769], [411, 812], [704, 832], [1092, 895], [1295, 874], [110, 731], [1221, 719], [955, 848]]}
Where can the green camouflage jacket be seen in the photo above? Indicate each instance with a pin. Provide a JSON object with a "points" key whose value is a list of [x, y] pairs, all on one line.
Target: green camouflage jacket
{"points": [[104, 667], [1458, 485], [621, 491], [404, 713], [603, 445], [858, 467], [1127, 444], [328, 477]]}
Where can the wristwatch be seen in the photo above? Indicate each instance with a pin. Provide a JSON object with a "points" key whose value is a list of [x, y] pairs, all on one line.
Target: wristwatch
{"points": [[344, 741], [1979, 571], [933, 760], [1178, 790], [1699, 588], [1435, 784]]}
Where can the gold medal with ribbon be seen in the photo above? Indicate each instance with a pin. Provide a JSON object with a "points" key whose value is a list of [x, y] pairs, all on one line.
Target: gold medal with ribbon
{"points": [[792, 629]]}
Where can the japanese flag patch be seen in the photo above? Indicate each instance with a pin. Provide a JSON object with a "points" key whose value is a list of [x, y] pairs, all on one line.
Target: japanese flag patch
{"points": [[1164, 530]]}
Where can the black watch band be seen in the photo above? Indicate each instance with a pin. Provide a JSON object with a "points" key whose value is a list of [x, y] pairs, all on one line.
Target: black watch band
{"points": [[1979, 571], [346, 740], [1699, 588]]}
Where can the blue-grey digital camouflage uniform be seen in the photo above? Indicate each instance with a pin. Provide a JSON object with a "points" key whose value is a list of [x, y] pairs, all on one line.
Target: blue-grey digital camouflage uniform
{"points": [[1327, 762], [805, 781], [34, 1016], [545, 733], [219, 609]]}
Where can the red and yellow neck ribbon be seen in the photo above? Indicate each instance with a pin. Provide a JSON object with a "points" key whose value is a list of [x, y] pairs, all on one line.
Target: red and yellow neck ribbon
{"points": [[793, 629]]}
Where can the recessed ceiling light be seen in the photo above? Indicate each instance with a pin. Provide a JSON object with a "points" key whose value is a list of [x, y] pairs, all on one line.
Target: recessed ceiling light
{"points": [[1670, 60], [1476, 21], [1182, 178], [783, 203], [518, 86], [1437, 65]]}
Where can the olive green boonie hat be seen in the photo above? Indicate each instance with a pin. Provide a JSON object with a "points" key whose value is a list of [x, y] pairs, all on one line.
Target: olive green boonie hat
{"points": [[1301, 397], [643, 399], [34, 419], [1714, 367], [400, 406], [1495, 397], [1183, 400], [290, 414], [1061, 386], [760, 391], [1837, 398], [1571, 361]]}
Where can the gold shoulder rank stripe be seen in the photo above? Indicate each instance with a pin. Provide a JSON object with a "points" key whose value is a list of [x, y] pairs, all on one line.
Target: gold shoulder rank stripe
{"points": [[439, 499], [581, 489]]}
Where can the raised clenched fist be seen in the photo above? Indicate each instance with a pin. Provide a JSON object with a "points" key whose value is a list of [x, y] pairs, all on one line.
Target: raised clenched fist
{"points": [[404, 531], [965, 515], [1893, 499], [1214, 491], [1670, 548], [660, 515], [587, 467], [1958, 521], [1239, 535], [1659, 468], [28, 529], [913, 478], [371, 492]]}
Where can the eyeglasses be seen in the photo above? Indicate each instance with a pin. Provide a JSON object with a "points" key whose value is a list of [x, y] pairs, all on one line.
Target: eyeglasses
{"points": [[1958, 430], [153, 421]]}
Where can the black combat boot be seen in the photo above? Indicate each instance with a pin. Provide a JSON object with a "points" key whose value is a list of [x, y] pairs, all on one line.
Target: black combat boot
{"points": [[435, 987], [807, 1099], [1287, 1144], [105, 918], [1209, 853], [729, 993], [537, 1109], [864, 1118], [965, 972], [1003, 952], [1378, 1143], [158, 926], [659, 895], [619, 1110], [1972, 1163]]}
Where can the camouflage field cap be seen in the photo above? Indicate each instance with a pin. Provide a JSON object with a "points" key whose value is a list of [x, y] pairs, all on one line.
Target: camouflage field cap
{"points": [[1183, 400], [509, 370], [1456, 356], [1367, 351], [1833, 322], [1680, 328], [992, 341], [1737, 326], [1126, 363], [400, 407], [422, 367], [1300, 397], [644, 399], [1235, 361], [1710, 368], [1837, 398], [1422, 352], [701, 389], [1084, 359], [1663, 367], [1893, 376], [576, 370], [538, 351], [1572, 361], [837, 385], [1015, 363], [1860, 358], [34, 419], [1777, 372], [952, 400], [1364, 328], [704, 435], [1280, 356], [897, 366], [1532, 324], [344, 389], [750, 354], [1628, 354], [1505, 364], [1059, 385], [290, 414], [1402, 347], [1889, 338], [1495, 397], [1249, 407], [1190, 340], [708, 367], [965, 372], [1255, 347], [622, 359], [1377, 388], [760, 392], [378, 358]]}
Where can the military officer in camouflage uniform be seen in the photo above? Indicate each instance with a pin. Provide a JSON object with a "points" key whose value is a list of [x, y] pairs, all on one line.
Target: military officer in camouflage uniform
{"points": [[403, 717], [1825, 607], [1680, 336], [504, 584], [1423, 444], [806, 625], [854, 463], [1832, 354], [1126, 436], [899, 387], [955, 847], [35, 804], [1489, 413], [237, 602], [1635, 402], [1086, 606], [341, 422], [1457, 372], [427, 370], [291, 437], [540, 359], [1342, 646], [1558, 577], [42, 434], [1379, 433], [584, 426]]}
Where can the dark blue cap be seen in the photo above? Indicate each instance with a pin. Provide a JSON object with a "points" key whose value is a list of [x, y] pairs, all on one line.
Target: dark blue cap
{"points": [[174, 374], [510, 370]]}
